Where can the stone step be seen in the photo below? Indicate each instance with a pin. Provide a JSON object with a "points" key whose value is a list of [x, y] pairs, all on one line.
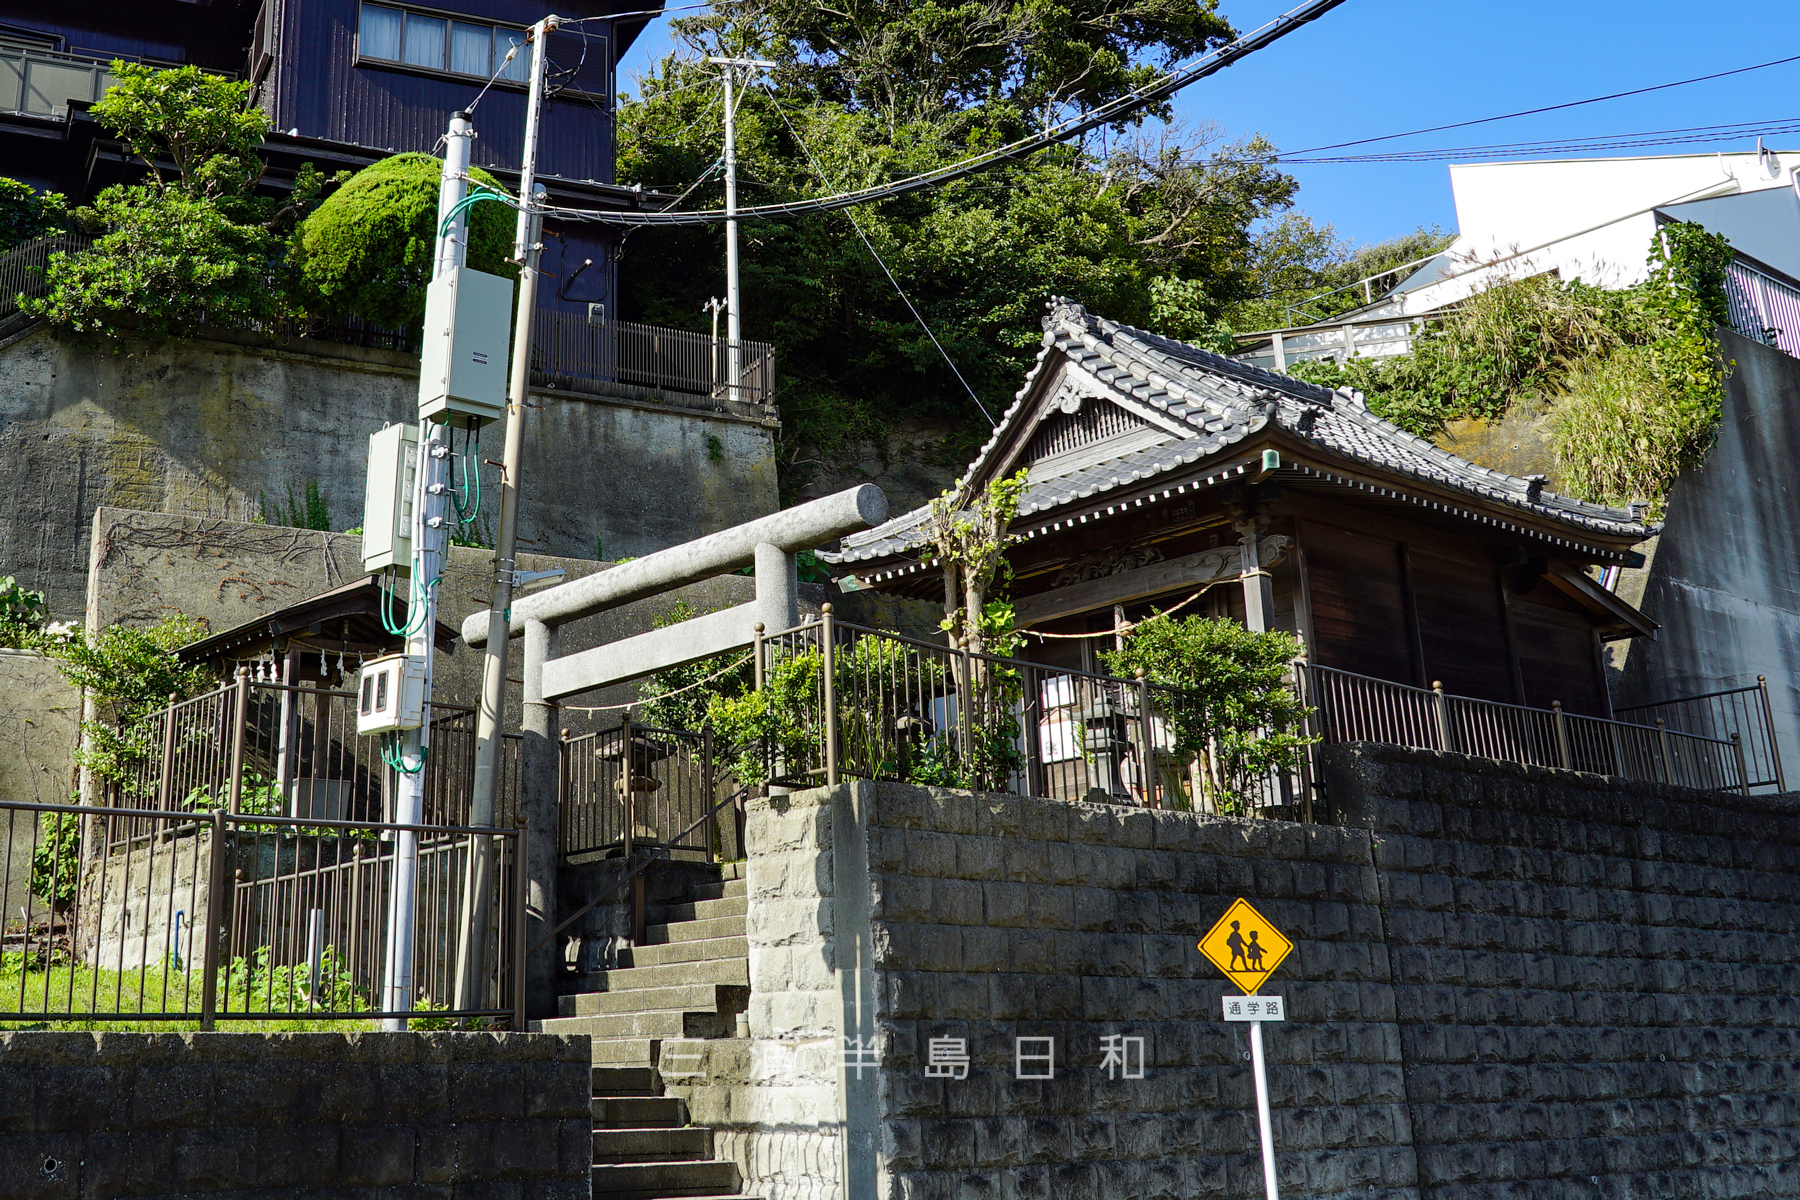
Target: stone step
{"points": [[695, 950], [718, 891], [657, 1181], [633, 1026], [729, 972], [624, 1052], [733, 870], [625, 1081], [701, 929], [651, 1145], [697, 910], [639, 1112], [695, 997]]}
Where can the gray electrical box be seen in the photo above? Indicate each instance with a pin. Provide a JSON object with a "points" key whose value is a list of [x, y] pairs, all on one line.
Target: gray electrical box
{"points": [[468, 327], [388, 500]]}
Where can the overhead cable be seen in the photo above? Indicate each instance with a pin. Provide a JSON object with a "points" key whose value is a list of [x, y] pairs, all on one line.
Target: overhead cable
{"points": [[1531, 112], [870, 246], [1110, 113]]}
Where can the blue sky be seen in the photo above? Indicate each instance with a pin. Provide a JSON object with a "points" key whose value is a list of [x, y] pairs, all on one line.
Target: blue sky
{"points": [[1383, 66]]}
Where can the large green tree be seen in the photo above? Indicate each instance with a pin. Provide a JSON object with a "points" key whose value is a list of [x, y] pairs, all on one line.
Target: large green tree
{"points": [[193, 243], [1159, 224]]}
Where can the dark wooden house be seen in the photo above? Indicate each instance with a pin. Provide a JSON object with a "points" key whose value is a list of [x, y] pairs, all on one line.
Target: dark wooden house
{"points": [[1163, 475], [345, 83]]}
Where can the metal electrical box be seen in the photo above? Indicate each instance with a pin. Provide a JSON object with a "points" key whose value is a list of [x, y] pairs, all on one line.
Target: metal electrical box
{"points": [[391, 694], [388, 500], [468, 328]]}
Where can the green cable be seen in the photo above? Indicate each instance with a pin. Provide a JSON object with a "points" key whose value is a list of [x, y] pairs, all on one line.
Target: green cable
{"points": [[392, 757], [476, 195]]}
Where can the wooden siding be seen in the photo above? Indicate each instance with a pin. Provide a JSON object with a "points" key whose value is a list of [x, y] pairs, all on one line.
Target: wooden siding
{"points": [[320, 90], [1359, 606], [1462, 626]]}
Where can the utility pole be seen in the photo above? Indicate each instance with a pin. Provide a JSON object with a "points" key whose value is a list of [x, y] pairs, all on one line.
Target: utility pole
{"points": [[540, 836], [734, 340], [714, 305], [429, 533]]}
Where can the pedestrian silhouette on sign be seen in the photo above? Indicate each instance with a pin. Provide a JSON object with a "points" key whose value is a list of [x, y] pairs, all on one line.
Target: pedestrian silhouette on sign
{"points": [[1236, 942], [1254, 953]]}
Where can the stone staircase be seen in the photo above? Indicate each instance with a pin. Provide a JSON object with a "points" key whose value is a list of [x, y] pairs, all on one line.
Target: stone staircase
{"points": [[690, 979]]}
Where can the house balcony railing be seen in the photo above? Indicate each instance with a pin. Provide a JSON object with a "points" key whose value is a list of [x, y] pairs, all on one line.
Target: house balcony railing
{"points": [[570, 351], [40, 82], [1764, 307]]}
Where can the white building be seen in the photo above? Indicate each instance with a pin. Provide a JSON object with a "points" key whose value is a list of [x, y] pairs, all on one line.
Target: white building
{"points": [[1591, 219]]}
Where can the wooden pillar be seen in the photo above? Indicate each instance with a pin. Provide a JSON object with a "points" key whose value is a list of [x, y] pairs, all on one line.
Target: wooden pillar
{"points": [[1259, 590]]}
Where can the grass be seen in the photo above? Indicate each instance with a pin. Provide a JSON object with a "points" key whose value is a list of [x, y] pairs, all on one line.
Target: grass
{"points": [[116, 997]]}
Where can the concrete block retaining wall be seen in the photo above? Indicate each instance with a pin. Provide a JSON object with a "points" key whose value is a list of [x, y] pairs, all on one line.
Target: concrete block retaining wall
{"points": [[287, 1116], [1508, 983]]}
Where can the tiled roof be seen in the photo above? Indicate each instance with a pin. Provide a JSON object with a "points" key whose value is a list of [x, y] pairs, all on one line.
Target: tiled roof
{"points": [[1224, 401]]}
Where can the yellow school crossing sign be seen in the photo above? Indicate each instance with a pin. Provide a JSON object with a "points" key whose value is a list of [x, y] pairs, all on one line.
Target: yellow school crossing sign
{"points": [[1245, 946]]}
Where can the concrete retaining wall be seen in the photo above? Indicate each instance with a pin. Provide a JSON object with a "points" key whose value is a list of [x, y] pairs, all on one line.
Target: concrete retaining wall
{"points": [[1724, 576], [286, 1116], [1508, 983], [40, 722], [212, 426]]}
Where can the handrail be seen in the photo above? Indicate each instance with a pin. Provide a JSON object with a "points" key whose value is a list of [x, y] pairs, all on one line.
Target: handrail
{"points": [[642, 866]]}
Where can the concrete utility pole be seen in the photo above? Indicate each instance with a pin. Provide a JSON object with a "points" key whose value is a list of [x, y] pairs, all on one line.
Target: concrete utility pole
{"points": [[734, 333], [429, 532], [540, 832]]}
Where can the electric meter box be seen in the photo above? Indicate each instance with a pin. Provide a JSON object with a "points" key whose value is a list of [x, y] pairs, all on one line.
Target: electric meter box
{"points": [[391, 694], [388, 500], [468, 325]]}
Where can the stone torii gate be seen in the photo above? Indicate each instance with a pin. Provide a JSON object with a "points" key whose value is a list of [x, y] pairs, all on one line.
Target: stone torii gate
{"points": [[768, 543]]}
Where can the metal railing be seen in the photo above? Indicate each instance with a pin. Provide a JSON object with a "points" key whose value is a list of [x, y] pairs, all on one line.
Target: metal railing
{"points": [[24, 270], [1364, 337], [572, 352], [1357, 708], [42, 82], [1763, 307], [1744, 712], [638, 787], [288, 750], [877, 705], [156, 915]]}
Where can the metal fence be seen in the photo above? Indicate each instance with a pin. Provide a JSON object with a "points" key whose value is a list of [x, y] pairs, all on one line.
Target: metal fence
{"points": [[637, 787], [571, 352], [1763, 307], [157, 915], [24, 271], [273, 749], [876, 705], [1357, 708], [1743, 712]]}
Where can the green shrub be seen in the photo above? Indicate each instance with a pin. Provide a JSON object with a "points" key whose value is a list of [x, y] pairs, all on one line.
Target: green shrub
{"points": [[1236, 716], [26, 214], [368, 249]]}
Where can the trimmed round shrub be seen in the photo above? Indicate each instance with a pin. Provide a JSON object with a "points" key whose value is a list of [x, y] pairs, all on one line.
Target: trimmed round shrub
{"points": [[367, 250]]}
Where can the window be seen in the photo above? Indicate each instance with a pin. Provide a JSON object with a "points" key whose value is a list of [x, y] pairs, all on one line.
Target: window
{"points": [[398, 35]]}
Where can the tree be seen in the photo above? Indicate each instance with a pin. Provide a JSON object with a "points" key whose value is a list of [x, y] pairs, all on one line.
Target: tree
{"points": [[198, 121], [192, 244], [132, 671], [1233, 714], [882, 90], [368, 248], [26, 214]]}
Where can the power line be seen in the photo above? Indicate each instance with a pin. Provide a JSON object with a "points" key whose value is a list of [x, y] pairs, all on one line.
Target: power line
{"points": [[1530, 112], [1622, 141], [1110, 113], [870, 246]]}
